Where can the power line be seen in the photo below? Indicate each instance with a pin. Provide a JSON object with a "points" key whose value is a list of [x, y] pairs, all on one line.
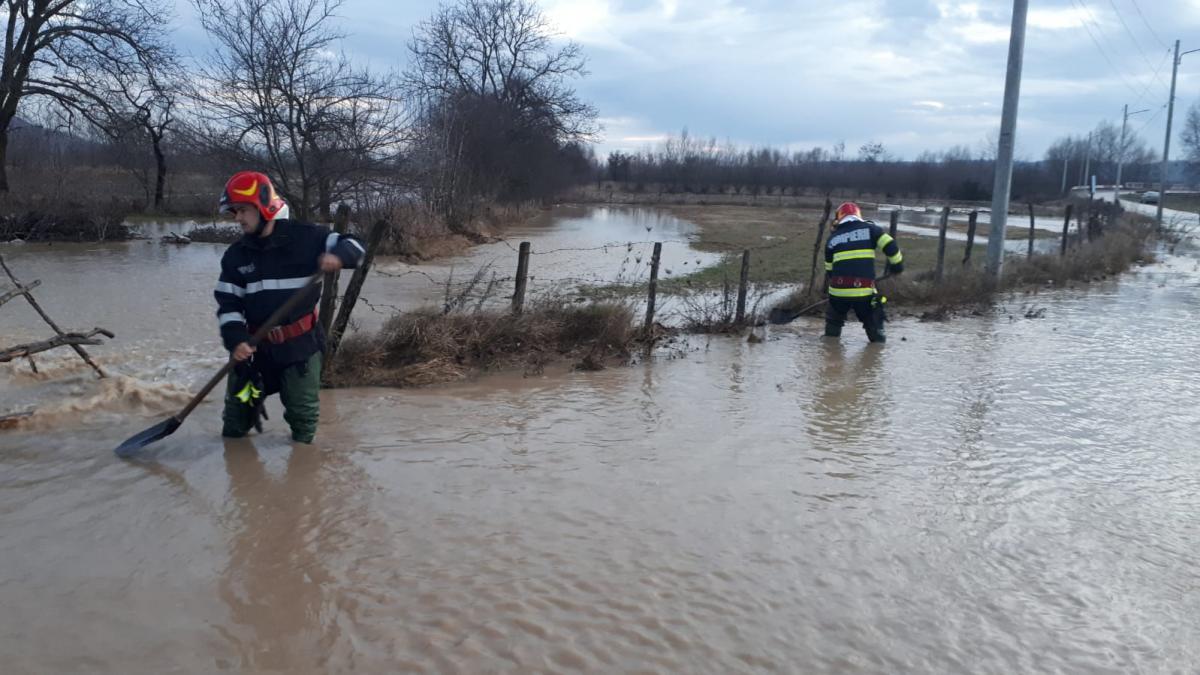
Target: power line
{"points": [[1150, 120], [1086, 28], [1146, 89], [1148, 27], [1132, 37]]}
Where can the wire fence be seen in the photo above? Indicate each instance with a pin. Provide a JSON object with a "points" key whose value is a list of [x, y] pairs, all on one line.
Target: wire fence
{"points": [[508, 275]]}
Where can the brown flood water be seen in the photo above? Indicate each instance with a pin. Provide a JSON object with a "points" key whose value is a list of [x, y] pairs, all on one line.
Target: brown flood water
{"points": [[990, 495]]}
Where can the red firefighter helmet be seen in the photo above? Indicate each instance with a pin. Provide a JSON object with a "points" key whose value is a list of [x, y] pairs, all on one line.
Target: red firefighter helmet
{"points": [[252, 187], [847, 209]]}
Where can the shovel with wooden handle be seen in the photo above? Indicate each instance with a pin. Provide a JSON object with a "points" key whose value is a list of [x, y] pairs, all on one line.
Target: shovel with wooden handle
{"points": [[168, 426]]}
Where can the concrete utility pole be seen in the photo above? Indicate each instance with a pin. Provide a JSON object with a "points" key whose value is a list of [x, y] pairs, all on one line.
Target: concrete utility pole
{"points": [[1008, 132], [1121, 148], [1087, 163], [1066, 163], [1162, 183]]}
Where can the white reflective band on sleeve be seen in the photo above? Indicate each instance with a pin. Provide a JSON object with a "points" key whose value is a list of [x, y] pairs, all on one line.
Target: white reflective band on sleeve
{"points": [[231, 317], [358, 246], [232, 289], [275, 285], [331, 241]]}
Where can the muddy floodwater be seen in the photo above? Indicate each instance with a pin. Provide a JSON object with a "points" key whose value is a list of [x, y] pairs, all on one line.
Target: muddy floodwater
{"points": [[992, 494]]}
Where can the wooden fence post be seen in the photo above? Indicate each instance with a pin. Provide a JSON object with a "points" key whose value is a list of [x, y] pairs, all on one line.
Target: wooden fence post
{"points": [[518, 302], [743, 285], [816, 256], [1029, 254], [341, 222], [653, 293], [972, 221], [350, 299], [940, 271], [1066, 228]]}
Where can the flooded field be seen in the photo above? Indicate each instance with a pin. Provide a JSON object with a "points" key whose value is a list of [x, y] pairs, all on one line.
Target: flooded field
{"points": [[992, 494]]}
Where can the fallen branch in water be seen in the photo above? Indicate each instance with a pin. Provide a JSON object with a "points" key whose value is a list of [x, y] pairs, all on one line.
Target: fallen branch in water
{"points": [[50, 322], [20, 290], [12, 420], [60, 340]]}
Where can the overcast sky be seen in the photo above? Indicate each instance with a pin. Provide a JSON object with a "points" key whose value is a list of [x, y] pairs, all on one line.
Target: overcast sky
{"points": [[913, 74]]}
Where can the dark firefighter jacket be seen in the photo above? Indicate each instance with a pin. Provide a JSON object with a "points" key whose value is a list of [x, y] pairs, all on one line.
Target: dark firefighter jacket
{"points": [[260, 274], [850, 258]]}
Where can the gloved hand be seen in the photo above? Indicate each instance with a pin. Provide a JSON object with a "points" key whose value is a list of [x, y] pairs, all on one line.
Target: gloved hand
{"points": [[896, 268], [249, 390]]}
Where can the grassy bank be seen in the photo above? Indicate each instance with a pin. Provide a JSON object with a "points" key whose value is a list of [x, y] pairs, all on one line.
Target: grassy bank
{"points": [[68, 226], [428, 346], [781, 243], [1124, 244], [1183, 202]]}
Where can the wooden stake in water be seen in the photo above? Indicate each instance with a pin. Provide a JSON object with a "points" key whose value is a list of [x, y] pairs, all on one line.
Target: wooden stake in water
{"points": [[653, 293], [518, 302], [812, 273], [743, 284]]}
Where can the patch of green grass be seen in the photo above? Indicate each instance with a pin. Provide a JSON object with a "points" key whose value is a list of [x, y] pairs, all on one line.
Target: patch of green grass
{"points": [[781, 243], [1183, 203]]}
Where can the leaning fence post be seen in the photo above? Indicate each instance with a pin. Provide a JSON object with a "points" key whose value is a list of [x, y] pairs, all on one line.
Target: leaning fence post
{"points": [[1066, 228], [329, 291], [518, 303], [1029, 254], [653, 293], [812, 273], [350, 299], [940, 270], [972, 220], [893, 222], [743, 283]]}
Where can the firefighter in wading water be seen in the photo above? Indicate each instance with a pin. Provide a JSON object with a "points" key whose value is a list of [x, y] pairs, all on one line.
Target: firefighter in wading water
{"points": [[850, 272], [259, 273]]}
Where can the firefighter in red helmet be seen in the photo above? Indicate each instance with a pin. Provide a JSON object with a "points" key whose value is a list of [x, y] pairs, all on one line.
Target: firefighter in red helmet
{"points": [[259, 272], [850, 271]]}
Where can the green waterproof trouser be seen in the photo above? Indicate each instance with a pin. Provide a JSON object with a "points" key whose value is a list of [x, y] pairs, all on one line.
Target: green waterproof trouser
{"points": [[299, 390]]}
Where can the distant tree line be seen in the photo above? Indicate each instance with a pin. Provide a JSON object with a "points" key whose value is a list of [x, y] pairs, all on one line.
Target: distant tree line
{"points": [[687, 164]]}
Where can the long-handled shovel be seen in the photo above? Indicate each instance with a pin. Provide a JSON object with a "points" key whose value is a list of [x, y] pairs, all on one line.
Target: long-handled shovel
{"points": [[168, 426], [781, 315]]}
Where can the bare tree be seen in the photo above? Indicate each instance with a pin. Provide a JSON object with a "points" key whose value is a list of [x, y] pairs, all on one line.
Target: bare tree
{"points": [[872, 151], [69, 51], [278, 91], [142, 109], [502, 50], [499, 119], [1191, 134]]}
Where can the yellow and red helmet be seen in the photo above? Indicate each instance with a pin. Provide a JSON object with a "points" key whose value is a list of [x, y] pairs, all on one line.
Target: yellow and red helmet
{"points": [[252, 187], [847, 209]]}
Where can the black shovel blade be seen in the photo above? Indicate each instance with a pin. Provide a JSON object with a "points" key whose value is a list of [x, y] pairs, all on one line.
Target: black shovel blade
{"points": [[137, 442], [779, 315]]}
